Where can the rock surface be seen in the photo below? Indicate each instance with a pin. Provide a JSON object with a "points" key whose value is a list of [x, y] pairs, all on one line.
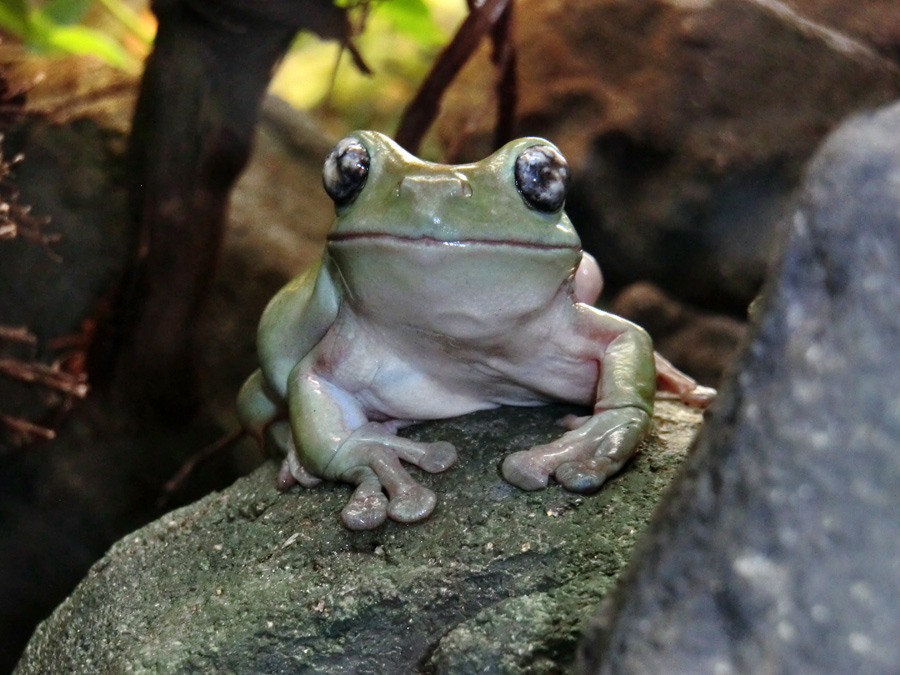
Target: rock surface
{"points": [[250, 580], [687, 125], [777, 551], [874, 22]]}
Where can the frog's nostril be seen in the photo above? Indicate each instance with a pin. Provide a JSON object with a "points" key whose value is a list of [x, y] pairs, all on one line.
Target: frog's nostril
{"points": [[415, 186], [463, 188]]}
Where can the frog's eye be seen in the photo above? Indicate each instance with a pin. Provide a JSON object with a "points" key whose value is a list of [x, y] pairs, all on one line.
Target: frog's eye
{"points": [[542, 177], [345, 170]]}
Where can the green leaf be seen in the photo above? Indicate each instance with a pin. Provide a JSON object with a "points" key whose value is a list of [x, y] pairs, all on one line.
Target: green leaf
{"points": [[412, 18], [17, 7], [66, 12], [14, 17], [78, 40], [81, 40]]}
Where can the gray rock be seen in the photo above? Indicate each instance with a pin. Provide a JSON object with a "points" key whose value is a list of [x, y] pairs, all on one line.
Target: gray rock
{"points": [[777, 551], [251, 580], [687, 125]]}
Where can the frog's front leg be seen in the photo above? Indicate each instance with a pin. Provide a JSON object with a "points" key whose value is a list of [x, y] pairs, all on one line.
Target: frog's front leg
{"points": [[600, 444], [333, 439]]}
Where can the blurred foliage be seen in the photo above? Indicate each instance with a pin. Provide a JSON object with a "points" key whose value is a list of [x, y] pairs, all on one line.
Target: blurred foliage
{"points": [[398, 39], [108, 29]]}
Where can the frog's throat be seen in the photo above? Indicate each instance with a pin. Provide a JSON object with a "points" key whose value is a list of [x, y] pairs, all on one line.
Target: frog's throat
{"points": [[425, 240]]}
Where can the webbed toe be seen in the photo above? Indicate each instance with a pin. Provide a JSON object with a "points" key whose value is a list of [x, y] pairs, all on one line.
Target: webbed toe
{"points": [[439, 456], [412, 505], [368, 507], [584, 477], [525, 470]]}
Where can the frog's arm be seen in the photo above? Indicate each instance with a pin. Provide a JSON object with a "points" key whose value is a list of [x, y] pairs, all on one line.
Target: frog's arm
{"points": [[588, 284], [294, 321], [627, 371], [340, 443], [599, 445]]}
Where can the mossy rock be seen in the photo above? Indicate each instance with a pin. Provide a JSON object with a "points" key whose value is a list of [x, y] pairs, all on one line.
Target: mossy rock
{"points": [[251, 580]]}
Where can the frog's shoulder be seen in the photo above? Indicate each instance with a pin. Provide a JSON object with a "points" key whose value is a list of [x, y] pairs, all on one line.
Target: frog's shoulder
{"points": [[295, 320]]}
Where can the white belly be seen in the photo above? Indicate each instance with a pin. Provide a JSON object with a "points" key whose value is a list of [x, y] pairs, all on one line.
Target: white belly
{"points": [[397, 373]]}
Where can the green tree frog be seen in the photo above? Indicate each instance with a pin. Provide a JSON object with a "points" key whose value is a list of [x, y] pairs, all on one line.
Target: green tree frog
{"points": [[444, 290]]}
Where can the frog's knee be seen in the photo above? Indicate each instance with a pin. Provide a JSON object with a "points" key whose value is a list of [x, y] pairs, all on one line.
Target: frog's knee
{"points": [[257, 408]]}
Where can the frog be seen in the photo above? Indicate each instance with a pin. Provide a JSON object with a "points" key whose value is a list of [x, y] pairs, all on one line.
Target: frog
{"points": [[445, 290]]}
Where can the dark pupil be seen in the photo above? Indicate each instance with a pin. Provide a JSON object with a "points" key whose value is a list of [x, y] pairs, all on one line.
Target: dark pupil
{"points": [[345, 171], [542, 178]]}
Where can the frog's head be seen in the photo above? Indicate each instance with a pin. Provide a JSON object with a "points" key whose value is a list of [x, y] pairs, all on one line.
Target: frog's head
{"points": [[515, 196], [492, 233]]}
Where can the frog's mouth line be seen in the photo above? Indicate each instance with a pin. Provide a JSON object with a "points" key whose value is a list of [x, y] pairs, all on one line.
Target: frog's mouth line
{"points": [[432, 241]]}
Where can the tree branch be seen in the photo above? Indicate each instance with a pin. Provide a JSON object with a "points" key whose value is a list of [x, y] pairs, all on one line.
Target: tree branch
{"points": [[422, 110], [38, 373], [27, 428]]}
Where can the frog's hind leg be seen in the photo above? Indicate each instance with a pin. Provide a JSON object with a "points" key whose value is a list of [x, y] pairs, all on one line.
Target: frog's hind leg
{"points": [[670, 379], [588, 280], [258, 407], [292, 471]]}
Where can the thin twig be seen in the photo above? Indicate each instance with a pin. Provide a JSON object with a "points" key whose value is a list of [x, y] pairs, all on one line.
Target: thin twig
{"points": [[17, 334], [503, 55], [27, 428], [176, 481], [38, 373]]}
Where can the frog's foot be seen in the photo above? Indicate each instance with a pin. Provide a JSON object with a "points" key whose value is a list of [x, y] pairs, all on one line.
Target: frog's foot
{"points": [[368, 507], [583, 458], [699, 397], [407, 500], [670, 379], [292, 473], [370, 459]]}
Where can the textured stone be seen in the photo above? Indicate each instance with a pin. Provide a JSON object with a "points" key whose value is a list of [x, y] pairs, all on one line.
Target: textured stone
{"points": [[874, 22], [777, 551], [686, 125], [250, 580]]}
